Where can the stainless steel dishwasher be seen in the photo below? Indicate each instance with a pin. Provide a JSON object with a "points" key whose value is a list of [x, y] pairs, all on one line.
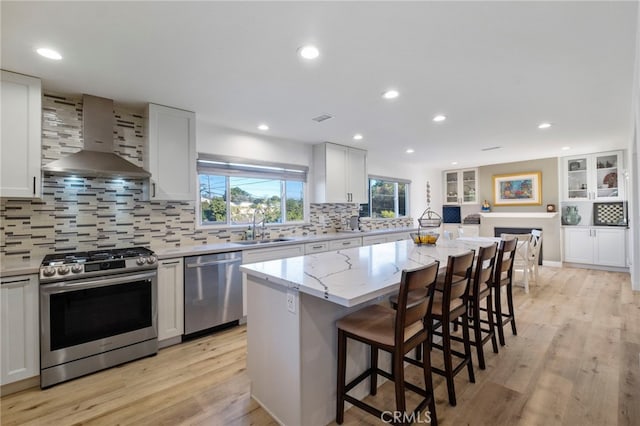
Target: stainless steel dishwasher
{"points": [[212, 291]]}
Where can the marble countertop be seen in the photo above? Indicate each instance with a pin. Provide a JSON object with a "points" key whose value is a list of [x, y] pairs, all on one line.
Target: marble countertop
{"points": [[356, 275], [197, 250], [10, 268]]}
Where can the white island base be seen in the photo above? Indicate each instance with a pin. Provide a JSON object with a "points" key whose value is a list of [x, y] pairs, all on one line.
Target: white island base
{"points": [[291, 356]]}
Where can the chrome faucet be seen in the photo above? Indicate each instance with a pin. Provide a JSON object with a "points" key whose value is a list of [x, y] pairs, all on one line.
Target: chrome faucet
{"points": [[262, 232]]}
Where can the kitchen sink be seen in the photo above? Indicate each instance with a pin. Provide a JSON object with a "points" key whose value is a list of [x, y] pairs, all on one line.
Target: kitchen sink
{"points": [[267, 241]]}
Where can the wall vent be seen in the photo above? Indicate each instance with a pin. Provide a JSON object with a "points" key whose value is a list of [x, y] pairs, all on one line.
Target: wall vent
{"points": [[322, 118]]}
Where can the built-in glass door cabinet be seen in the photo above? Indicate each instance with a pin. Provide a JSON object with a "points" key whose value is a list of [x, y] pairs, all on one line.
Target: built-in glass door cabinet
{"points": [[461, 186], [20, 173], [594, 177]]}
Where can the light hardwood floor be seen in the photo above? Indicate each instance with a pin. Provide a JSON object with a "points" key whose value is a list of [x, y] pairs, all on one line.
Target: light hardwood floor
{"points": [[575, 361]]}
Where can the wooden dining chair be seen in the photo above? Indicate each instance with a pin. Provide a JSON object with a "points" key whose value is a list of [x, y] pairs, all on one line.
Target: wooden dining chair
{"points": [[503, 278], [479, 291], [396, 332], [450, 303], [521, 255]]}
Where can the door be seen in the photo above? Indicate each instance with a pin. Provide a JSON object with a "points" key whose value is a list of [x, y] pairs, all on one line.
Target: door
{"points": [[577, 178], [607, 183], [336, 164], [170, 298], [451, 187], [21, 136], [469, 187], [578, 245], [357, 177], [610, 247], [19, 321]]}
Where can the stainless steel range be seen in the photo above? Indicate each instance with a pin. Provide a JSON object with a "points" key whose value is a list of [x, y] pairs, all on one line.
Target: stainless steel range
{"points": [[97, 309]]}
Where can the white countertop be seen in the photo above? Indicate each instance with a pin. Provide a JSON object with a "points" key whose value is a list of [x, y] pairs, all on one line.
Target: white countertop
{"points": [[353, 276], [20, 266], [197, 250]]}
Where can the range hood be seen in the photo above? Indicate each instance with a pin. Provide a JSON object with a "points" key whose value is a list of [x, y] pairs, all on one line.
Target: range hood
{"points": [[97, 158]]}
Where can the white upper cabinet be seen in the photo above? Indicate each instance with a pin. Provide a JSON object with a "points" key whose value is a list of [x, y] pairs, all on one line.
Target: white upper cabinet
{"points": [[461, 186], [20, 147], [341, 174], [172, 153], [593, 177]]}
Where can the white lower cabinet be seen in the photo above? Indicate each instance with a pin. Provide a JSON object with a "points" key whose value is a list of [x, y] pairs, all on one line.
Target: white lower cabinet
{"points": [[374, 239], [345, 243], [20, 357], [595, 246], [170, 298], [319, 247]]}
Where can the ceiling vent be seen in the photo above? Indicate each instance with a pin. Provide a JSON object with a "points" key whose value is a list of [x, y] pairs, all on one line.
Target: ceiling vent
{"points": [[322, 118], [491, 148]]}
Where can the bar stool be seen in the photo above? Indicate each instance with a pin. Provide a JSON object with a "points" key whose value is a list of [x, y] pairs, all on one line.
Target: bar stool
{"points": [[481, 289], [396, 332], [450, 302], [503, 277]]}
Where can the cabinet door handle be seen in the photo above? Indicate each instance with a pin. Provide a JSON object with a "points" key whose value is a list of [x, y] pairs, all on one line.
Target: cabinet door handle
{"points": [[34, 185], [175, 262], [346, 243], [154, 190], [316, 247]]}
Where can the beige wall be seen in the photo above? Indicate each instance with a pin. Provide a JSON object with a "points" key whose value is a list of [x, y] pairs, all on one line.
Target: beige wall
{"points": [[549, 169], [547, 166]]}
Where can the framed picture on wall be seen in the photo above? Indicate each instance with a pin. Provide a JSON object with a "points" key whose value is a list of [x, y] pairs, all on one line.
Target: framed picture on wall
{"points": [[517, 189]]}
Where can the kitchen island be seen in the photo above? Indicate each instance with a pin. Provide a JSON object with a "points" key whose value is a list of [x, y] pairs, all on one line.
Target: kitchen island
{"points": [[292, 308]]}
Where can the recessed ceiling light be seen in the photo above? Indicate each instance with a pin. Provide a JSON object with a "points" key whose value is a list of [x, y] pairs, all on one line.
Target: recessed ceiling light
{"points": [[49, 53], [390, 94], [263, 127], [439, 118], [544, 125], [566, 148], [453, 163], [410, 151], [309, 52], [357, 137]]}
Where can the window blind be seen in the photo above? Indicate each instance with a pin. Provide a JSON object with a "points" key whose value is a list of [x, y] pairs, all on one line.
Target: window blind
{"points": [[232, 166]]}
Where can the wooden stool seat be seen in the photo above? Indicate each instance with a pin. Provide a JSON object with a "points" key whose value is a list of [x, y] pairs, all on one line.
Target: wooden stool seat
{"points": [[503, 277], [377, 324]]}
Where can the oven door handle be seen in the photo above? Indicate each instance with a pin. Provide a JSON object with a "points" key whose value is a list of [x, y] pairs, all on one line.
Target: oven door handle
{"points": [[66, 286]]}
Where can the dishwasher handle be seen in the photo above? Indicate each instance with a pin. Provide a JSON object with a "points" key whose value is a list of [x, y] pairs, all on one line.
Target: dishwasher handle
{"points": [[214, 262]]}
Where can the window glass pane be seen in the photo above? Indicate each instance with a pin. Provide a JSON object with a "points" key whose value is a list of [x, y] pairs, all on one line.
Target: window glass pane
{"points": [[213, 196], [382, 199], [402, 199], [295, 201], [247, 194]]}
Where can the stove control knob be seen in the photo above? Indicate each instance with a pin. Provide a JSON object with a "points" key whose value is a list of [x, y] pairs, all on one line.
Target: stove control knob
{"points": [[151, 260], [140, 261], [63, 270], [48, 271], [76, 269]]}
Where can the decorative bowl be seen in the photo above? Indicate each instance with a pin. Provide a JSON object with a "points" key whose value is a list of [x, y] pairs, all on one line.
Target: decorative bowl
{"points": [[424, 238]]}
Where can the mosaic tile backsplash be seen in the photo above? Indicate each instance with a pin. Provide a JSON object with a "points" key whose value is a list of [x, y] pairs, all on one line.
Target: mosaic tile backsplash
{"points": [[91, 213]]}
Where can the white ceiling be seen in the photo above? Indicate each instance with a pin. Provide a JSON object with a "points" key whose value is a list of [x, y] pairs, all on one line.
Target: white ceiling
{"points": [[496, 69]]}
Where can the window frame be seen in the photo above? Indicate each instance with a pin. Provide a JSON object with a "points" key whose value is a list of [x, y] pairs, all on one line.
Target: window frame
{"points": [[228, 167], [396, 198]]}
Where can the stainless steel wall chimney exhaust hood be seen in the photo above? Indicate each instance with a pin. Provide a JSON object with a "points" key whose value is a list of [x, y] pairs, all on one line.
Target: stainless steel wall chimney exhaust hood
{"points": [[97, 158]]}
